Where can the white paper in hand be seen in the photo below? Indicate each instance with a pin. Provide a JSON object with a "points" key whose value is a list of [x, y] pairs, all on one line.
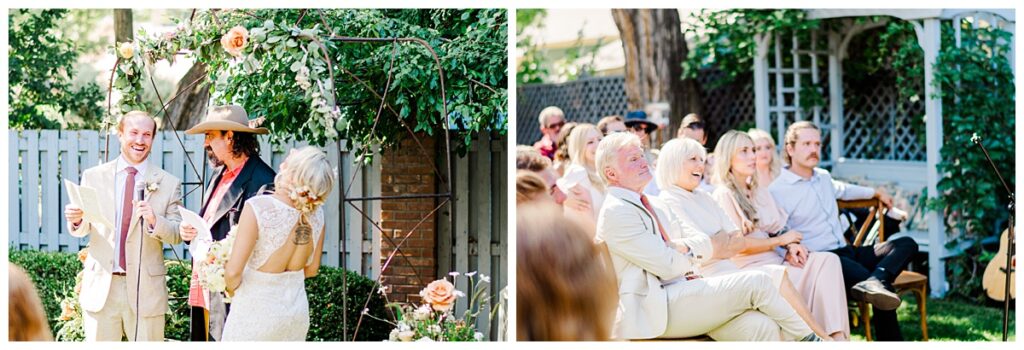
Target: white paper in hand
{"points": [[201, 243], [87, 199]]}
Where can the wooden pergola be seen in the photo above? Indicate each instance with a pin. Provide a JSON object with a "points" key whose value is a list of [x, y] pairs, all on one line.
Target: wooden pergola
{"points": [[776, 105]]}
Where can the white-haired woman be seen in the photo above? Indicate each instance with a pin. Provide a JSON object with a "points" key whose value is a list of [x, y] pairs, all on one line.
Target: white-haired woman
{"points": [[277, 246], [581, 180], [683, 162], [817, 277], [768, 164]]}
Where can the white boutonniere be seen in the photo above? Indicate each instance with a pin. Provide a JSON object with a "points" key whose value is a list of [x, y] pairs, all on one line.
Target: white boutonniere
{"points": [[151, 187]]}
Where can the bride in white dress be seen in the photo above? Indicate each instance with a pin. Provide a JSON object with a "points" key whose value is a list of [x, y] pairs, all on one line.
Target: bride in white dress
{"points": [[277, 246]]}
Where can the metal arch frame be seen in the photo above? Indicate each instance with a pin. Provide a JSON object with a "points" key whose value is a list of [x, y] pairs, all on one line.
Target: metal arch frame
{"points": [[448, 196]]}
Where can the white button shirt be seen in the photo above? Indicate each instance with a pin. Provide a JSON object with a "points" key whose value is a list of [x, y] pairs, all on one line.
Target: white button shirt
{"points": [[811, 206]]}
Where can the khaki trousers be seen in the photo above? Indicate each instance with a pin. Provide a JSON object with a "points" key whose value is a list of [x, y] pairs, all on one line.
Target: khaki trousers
{"points": [[117, 320], [740, 306]]}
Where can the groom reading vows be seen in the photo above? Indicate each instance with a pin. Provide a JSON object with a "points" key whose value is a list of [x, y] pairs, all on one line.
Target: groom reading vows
{"points": [[232, 146], [124, 293]]}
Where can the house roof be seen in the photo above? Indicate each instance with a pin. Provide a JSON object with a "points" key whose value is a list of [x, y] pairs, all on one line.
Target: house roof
{"points": [[906, 14]]}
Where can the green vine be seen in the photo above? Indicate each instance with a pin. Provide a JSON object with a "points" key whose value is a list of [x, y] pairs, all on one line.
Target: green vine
{"points": [[977, 90], [275, 64], [724, 39]]}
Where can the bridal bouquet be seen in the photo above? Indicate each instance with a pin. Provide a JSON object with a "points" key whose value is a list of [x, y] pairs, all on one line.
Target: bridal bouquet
{"points": [[211, 268], [435, 320]]}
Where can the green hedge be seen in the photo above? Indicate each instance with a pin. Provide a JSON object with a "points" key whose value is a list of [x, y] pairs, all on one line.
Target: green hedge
{"points": [[54, 275]]}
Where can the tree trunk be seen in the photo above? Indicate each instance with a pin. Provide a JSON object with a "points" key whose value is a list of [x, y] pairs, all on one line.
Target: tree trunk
{"points": [[123, 26], [655, 48], [189, 108]]}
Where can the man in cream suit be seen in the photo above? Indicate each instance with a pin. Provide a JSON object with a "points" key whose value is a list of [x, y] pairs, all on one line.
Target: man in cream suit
{"points": [[124, 288], [656, 259]]}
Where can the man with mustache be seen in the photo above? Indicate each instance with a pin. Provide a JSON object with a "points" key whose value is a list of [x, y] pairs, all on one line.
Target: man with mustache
{"points": [[808, 195], [124, 293], [232, 146]]}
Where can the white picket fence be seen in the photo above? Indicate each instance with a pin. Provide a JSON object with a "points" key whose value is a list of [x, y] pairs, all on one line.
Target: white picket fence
{"points": [[40, 159]]}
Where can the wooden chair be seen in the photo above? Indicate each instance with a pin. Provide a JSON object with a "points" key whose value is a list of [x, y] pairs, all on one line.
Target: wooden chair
{"points": [[906, 282], [606, 257]]}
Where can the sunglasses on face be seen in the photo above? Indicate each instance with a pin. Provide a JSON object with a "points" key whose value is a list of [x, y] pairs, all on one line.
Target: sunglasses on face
{"points": [[640, 127], [556, 125]]}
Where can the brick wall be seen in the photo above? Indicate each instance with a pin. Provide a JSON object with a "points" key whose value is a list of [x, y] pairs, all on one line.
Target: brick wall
{"points": [[408, 170]]}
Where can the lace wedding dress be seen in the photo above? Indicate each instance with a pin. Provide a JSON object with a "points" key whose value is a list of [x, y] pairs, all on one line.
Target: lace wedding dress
{"points": [[271, 306]]}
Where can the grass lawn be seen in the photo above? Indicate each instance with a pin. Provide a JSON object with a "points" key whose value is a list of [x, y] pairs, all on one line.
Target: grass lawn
{"points": [[950, 320]]}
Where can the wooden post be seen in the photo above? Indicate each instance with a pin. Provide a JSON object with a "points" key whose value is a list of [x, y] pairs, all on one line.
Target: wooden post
{"points": [[931, 43], [761, 91]]}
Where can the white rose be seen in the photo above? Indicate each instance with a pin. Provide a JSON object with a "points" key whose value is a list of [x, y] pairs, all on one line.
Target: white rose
{"points": [[406, 335], [422, 313], [394, 335]]}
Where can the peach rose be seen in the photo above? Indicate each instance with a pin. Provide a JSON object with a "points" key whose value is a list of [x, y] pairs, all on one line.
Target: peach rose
{"points": [[440, 295], [82, 254], [235, 40]]}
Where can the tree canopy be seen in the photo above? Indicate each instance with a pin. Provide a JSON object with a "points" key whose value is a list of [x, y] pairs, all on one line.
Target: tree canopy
{"points": [[278, 64]]}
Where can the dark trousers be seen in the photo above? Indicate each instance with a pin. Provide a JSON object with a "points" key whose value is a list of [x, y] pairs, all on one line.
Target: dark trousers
{"points": [[198, 324], [884, 261]]}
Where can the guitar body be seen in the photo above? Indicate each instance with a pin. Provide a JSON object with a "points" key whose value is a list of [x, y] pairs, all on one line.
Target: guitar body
{"points": [[994, 279]]}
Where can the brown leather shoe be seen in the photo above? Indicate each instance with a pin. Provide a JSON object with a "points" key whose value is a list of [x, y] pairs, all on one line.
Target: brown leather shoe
{"points": [[873, 292]]}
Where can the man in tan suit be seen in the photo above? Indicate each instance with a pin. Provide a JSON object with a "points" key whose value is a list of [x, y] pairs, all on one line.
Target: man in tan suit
{"points": [[124, 288], [656, 259]]}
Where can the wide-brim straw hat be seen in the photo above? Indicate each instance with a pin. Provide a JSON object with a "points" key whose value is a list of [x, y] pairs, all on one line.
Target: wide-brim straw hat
{"points": [[226, 118]]}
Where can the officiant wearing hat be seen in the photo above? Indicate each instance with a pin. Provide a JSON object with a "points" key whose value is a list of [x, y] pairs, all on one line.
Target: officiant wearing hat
{"points": [[231, 147]]}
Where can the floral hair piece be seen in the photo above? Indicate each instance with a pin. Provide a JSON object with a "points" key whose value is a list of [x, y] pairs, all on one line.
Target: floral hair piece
{"points": [[304, 199]]}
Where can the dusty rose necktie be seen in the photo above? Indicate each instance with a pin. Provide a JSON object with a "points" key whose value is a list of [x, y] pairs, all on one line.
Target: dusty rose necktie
{"points": [[126, 210], [647, 204]]}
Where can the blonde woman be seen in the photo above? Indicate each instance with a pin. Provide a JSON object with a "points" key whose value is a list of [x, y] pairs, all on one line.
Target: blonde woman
{"points": [[560, 160], [582, 171], [277, 246], [816, 277], [768, 164], [25, 310], [563, 290]]}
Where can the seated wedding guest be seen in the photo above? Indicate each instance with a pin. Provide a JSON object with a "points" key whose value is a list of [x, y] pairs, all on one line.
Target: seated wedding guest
{"points": [[693, 127], [678, 178], [562, 291], [611, 124], [817, 277], [768, 164], [528, 158], [550, 122], [561, 160], [656, 259], [808, 196], [25, 310], [576, 200], [530, 187], [581, 172], [638, 124]]}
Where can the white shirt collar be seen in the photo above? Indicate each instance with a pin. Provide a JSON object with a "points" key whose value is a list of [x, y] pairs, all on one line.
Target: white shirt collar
{"points": [[624, 193], [141, 167]]}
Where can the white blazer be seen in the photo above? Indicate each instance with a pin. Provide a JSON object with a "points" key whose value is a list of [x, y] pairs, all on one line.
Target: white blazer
{"points": [[643, 262]]}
